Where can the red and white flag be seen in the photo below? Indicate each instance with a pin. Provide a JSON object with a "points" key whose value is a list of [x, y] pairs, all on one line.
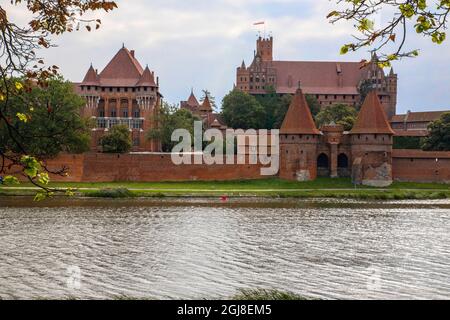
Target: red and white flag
{"points": [[259, 23]]}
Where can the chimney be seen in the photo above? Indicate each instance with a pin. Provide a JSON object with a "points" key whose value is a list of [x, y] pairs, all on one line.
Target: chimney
{"points": [[132, 53]]}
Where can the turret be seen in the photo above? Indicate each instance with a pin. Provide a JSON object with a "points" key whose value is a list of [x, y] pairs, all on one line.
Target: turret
{"points": [[299, 138], [371, 144]]}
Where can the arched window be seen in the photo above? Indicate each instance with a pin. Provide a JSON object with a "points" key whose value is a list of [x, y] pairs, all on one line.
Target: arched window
{"points": [[342, 161], [124, 108], [113, 108], [322, 161]]}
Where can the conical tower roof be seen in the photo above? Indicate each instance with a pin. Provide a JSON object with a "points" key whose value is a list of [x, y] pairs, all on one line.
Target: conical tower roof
{"points": [[91, 78], [298, 119], [147, 79], [192, 100], [372, 118], [206, 105]]}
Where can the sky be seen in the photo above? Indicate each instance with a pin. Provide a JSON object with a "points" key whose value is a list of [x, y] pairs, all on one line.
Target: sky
{"points": [[199, 43]]}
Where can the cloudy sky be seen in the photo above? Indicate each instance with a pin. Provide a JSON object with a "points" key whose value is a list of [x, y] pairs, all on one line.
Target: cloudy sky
{"points": [[199, 44]]}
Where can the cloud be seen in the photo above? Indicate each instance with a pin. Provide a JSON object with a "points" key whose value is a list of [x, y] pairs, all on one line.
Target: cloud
{"points": [[200, 43]]}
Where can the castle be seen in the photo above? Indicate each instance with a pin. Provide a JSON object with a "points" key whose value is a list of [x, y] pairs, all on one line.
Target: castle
{"points": [[329, 82], [364, 153], [123, 93]]}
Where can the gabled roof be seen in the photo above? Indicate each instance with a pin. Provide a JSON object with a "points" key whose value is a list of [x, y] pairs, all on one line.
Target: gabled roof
{"points": [[206, 105], [122, 70], [192, 100], [426, 116], [298, 119], [371, 117], [147, 79], [318, 77], [91, 78]]}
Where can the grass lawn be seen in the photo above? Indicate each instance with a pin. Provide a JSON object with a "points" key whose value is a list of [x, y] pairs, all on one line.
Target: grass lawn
{"points": [[272, 188], [266, 184]]}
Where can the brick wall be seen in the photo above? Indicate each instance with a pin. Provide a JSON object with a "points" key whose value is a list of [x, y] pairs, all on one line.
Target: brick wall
{"points": [[97, 167], [421, 166]]}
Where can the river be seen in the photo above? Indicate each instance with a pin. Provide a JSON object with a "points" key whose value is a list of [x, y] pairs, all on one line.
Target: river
{"points": [[205, 248]]}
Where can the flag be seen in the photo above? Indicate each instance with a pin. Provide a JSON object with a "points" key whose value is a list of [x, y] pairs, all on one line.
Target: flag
{"points": [[259, 23]]}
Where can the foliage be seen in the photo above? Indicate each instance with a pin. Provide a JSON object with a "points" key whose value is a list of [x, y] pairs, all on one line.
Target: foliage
{"points": [[429, 18], [266, 295], [241, 110], [111, 193], [407, 142], [339, 114], [439, 137], [19, 45], [274, 108], [117, 140], [46, 121], [169, 118]]}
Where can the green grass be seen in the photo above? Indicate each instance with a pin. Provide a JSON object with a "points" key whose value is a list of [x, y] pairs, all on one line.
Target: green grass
{"points": [[320, 183], [320, 188]]}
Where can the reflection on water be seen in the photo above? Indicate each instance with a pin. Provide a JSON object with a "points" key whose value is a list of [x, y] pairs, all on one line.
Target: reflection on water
{"points": [[204, 249]]}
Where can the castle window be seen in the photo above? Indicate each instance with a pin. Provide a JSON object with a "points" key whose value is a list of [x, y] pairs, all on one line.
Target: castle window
{"points": [[326, 97], [335, 97], [136, 142], [251, 79], [145, 88], [110, 89]]}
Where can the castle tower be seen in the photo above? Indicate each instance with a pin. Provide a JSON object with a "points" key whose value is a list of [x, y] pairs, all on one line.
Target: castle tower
{"points": [[392, 81], [371, 145], [122, 93], [243, 78], [264, 48], [206, 111], [299, 139]]}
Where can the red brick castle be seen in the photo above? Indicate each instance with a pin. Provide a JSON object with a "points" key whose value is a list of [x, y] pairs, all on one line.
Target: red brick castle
{"points": [[123, 93], [329, 82]]}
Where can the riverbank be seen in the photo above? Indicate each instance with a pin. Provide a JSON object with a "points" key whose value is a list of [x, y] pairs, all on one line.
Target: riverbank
{"points": [[271, 188]]}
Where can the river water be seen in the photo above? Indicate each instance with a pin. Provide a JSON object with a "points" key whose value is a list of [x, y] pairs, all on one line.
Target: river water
{"points": [[192, 249]]}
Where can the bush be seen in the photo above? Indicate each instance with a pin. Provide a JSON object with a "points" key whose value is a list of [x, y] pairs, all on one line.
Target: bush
{"points": [[111, 193], [118, 140]]}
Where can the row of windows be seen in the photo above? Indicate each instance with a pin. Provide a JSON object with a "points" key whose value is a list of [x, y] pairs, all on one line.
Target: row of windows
{"points": [[118, 89], [123, 113]]}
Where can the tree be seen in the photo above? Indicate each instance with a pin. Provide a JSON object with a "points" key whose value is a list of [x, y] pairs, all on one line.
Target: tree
{"points": [[117, 140], [170, 118], [211, 98], [283, 106], [241, 110], [339, 114], [429, 18], [439, 137], [46, 131], [18, 59], [276, 106]]}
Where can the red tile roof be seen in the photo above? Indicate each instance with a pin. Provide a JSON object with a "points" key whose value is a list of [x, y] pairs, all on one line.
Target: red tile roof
{"points": [[318, 77], [206, 105], [371, 117], [91, 78], [147, 79], [427, 116], [192, 100], [298, 119], [122, 71]]}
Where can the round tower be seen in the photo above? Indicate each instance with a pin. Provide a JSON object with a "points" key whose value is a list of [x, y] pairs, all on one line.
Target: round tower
{"points": [[299, 139], [371, 145]]}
